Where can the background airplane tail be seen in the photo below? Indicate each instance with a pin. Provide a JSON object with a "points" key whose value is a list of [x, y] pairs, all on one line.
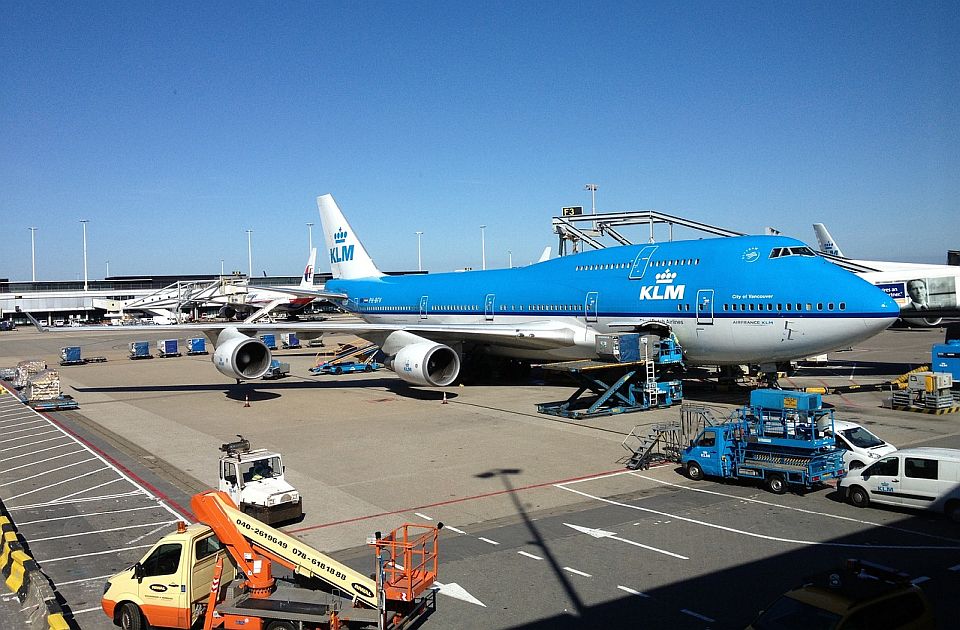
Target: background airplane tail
{"points": [[306, 282], [348, 258], [826, 242]]}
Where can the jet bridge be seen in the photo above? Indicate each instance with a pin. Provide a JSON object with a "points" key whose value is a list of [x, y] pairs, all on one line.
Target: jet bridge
{"points": [[577, 230]]}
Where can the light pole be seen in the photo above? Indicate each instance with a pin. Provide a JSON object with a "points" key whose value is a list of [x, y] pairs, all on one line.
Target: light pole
{"points": [[593, 188], [108, 271], [84, 222], [309, 238], [483, 247], [249, 254], [33, 253], [510, 254], [419, 263], [221, 268]]}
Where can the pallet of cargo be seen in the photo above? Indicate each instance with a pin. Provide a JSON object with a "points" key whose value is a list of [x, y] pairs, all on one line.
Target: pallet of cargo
{"points": [[196, 345]]}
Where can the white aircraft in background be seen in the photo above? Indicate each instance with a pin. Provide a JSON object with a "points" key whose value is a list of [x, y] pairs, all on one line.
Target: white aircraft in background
{"points": [[916, 287]]}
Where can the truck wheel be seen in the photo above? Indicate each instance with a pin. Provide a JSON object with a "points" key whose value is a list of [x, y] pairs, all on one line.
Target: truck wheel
{"points": [[776, 484], [338, 370], [859, 497], [368, 368], [694, 471], [952, 510], [281, 625], [131, 618]]}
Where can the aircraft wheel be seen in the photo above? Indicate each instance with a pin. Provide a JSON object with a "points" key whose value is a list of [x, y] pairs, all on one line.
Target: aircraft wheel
{"points": [[776, 484], [694, 471], [131, 618], [859, 497]]}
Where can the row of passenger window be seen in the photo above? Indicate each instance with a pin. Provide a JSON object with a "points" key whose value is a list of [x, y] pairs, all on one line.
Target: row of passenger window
{"points": [[676, 262], [784, 307]]}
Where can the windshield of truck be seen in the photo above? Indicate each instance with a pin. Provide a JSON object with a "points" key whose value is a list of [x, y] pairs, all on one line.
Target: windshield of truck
{"points": [[790, 614], [264, 468], [862, 438]]}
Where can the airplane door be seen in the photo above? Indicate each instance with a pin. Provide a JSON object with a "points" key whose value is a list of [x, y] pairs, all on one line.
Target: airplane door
{"points": [[488, 304], [423, 307], [641, 261], [590, 306], [705, 306]]}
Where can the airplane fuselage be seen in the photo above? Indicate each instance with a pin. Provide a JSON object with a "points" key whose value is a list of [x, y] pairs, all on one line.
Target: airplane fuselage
{"points": [[728, 300]]}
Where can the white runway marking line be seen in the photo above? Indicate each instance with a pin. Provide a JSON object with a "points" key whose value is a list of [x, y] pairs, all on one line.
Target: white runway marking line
{"points": [[106, 483], [86, 610], [529, 555], [105, 497], [454, 529], [698, 616], [18, 422], [42, 461], [487, 540], [42, 450], [627, 589], [90, 579], [600, 533], [741, 532], [19, 446], [15, 432], [73, 516], [576, 572], [58, 483], [103, 531], [94, 553], [796, 509], [47, 472], [423, 516], [152, 531]]}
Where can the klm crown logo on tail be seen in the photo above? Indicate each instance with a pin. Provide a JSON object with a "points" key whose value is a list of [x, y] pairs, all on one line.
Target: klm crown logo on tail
{"points": [[670, 291], [344, 253]]}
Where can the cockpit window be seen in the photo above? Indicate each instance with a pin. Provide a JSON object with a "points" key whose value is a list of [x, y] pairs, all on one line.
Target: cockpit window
{"points": [[781, 252]]}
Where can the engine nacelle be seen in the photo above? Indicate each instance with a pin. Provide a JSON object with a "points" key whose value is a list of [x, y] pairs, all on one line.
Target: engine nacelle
{"points": [[239, 356], [426, 363], [925, 321]]}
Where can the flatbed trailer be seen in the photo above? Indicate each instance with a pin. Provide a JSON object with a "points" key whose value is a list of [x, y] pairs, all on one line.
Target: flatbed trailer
{"points": [[64, 402]]}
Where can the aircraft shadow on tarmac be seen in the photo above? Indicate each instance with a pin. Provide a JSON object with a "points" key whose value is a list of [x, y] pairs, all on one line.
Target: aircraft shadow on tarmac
{"points": [[263, 390], [733, 597], [859, 368]]}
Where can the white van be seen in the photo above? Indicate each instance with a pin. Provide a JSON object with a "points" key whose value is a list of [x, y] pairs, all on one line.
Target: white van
{"points": [[860, 446], [926, 477]]}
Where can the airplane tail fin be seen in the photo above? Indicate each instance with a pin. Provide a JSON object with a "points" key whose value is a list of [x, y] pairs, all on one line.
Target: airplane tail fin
{"points": [[826, 242], [545, 256], [306, 282], [348, 258]]}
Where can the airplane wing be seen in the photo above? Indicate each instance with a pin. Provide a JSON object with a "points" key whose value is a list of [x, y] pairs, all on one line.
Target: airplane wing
{"points": [[532, 335]]}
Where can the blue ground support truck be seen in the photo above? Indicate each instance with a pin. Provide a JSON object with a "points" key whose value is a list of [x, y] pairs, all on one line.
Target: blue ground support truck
{"points": [[780, 439]]}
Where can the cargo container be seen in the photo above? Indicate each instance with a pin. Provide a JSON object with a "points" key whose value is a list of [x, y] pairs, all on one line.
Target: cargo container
{"points": [[622, 348], [168, 348], [197, 345], [70, 355], [140, 350], [269, 341], [290, 340]]}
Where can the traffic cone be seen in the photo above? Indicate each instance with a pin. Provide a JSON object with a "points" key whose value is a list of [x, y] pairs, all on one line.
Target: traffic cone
{"points": [[444, 398], [246, 402]]}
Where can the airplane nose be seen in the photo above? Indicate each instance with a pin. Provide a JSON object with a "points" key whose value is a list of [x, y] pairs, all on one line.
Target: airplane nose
{"points": [[884, 311]]}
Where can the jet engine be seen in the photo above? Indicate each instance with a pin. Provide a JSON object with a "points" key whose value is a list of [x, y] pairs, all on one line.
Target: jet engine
{"points": [[926, 321], [239, 356], [426, 363], [227, 312]]}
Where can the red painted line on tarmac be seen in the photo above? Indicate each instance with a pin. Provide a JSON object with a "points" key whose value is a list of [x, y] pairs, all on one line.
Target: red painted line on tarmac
{"points": [[162, 496], [450, 502]]}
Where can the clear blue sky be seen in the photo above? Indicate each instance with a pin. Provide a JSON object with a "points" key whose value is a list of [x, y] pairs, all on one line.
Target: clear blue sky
{"points": [[175, 126]]}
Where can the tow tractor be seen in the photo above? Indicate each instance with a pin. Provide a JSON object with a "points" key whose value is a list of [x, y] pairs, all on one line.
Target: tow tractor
{"points": [[781, 439], [221, 571], [254, 480]]}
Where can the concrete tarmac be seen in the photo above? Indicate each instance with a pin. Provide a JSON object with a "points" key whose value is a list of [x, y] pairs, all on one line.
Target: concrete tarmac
{"points": [[369, 453]]}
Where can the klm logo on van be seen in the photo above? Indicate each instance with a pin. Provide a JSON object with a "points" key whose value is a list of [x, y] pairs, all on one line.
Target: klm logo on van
{"points": [[664, 289], [344, 253]]}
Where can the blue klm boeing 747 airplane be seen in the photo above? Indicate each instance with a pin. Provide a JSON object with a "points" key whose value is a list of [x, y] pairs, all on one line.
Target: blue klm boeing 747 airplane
{"points": [[743, 300], [729, 301]]}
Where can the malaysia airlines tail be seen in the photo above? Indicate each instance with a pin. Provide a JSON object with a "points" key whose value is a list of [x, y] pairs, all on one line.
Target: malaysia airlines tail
{"points": [[826, 242], [348, 258], [306, 282]]}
